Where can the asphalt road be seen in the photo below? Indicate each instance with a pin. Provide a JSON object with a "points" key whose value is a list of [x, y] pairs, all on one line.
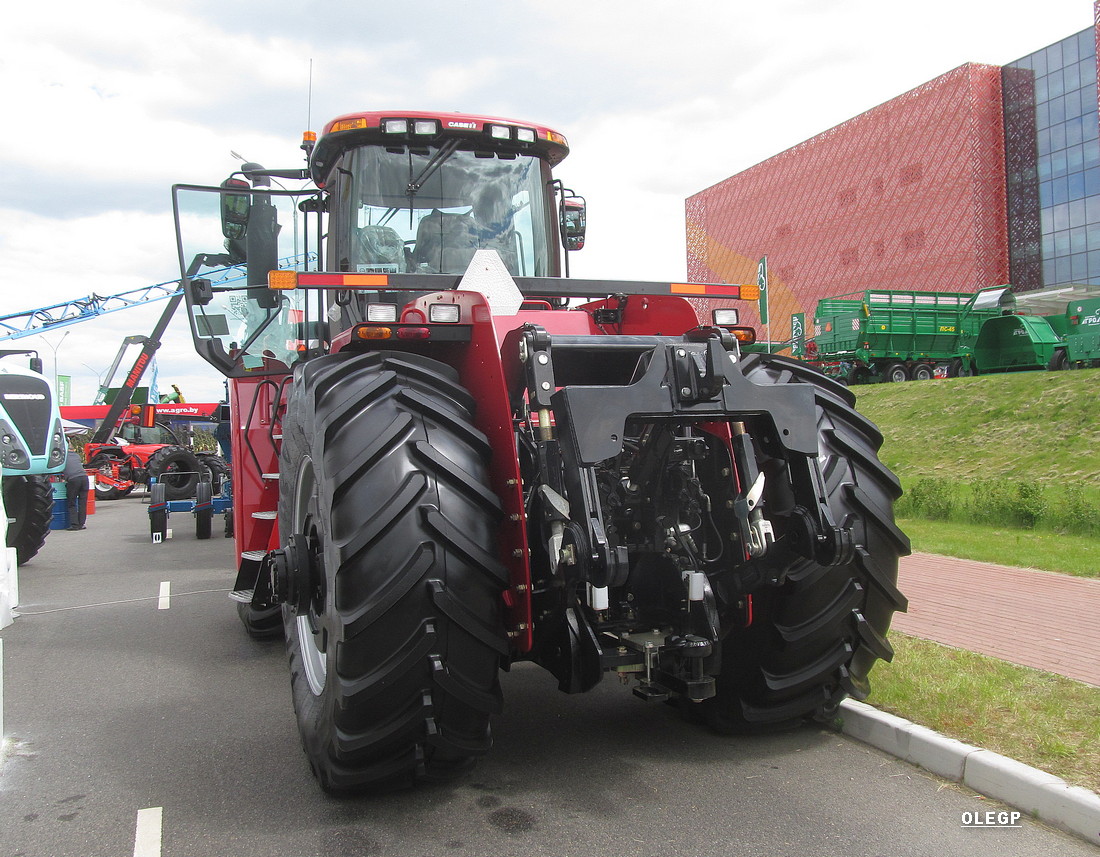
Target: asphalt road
{"points": [[139, 726]]}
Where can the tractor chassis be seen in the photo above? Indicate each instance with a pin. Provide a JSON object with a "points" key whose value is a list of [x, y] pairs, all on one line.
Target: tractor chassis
{"points": [[575, 401], [575, 429]]}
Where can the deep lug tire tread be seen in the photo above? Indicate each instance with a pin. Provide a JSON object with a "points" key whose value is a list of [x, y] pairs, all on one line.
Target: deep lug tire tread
{"points": [[181, 486], [818, 634], [413, 609], [29, 500]]}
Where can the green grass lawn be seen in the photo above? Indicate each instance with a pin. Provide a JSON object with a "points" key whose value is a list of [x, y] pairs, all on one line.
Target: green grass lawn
{"points": [[1040, 719], [1043, 426], [1034, 427], [1076, 555]]}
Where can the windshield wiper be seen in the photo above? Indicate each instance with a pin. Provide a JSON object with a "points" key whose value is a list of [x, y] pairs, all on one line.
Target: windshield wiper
{"points": [[442, 155]]}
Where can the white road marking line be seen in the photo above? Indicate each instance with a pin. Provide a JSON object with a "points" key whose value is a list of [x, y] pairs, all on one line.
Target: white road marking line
{"points": [[165, 595], [147, 835], [1, 697]]}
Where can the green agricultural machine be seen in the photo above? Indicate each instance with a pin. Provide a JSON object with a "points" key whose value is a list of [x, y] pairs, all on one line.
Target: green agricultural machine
{"points": [[889, 335], [1065, 340]]}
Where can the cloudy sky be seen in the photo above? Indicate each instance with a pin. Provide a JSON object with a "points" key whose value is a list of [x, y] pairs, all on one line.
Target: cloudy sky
{"points": [[107, 104]]}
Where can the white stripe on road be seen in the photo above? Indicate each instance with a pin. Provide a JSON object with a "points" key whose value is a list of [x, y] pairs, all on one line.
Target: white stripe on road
{"points": [[147, 835], [165, 595], [1, 696]]}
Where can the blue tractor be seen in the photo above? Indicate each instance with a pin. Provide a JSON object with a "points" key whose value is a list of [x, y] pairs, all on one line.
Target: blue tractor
{"points": [[32, 446]]}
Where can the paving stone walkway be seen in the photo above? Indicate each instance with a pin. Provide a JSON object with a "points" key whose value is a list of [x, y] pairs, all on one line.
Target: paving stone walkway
{"points": [[1035, 618]]}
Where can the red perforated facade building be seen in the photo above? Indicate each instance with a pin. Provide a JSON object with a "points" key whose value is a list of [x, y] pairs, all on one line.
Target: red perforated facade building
{"points": [[915, 194], [916, 184]]}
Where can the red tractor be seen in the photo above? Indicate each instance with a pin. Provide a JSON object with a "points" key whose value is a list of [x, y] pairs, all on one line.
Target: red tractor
{"points": [[135, 454], [448, 458]]}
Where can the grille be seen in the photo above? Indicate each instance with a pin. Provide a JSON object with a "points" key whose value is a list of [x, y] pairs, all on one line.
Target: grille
{"points": [[27, 402]]}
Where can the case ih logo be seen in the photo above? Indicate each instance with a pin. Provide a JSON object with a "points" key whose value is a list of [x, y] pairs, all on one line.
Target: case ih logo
{"points": [[21, 397], [471, 125]]}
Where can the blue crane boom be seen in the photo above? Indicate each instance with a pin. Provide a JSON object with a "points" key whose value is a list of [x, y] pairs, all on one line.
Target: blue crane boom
{"points": [[34, 321], [42, 319]]}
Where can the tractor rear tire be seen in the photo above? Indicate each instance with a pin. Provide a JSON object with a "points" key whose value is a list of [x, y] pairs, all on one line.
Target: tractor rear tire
{"points": [[176, 468], [261, 623], [28, 502], [219, 471], [395, 661], [815, 637]]}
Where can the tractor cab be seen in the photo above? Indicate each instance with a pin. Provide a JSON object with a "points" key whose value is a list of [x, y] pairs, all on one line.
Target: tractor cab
{"points": [[131, 432], [408, 196]]}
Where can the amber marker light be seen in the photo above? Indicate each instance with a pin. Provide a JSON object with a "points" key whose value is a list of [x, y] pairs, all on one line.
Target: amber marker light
{"points": [[370, 331], [282, 280], [348, 124]]}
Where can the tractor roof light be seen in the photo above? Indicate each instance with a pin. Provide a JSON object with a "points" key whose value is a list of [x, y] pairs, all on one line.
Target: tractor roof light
{"points": [[381, 312], [500, 132], [345, 125], [396, 126], [425, 126], [525, 135], [444, 313], [726, 317]]}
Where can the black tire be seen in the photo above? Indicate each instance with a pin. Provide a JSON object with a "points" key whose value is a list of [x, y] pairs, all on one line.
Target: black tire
{"points": [[103, 463], [219, 471], [394, 665], [177, 469], [261, 623], [816, 636], [204, 510], [859, 375], [28, 502], [895, 373], [923, 372], [158, 513]]}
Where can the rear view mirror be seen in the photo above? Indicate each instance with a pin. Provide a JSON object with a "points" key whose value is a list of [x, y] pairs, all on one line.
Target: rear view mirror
{"points": [[235, 210], [572, 222]]}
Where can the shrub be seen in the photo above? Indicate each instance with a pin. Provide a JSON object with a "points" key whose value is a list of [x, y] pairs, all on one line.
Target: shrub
{"points": [[934, 499]]}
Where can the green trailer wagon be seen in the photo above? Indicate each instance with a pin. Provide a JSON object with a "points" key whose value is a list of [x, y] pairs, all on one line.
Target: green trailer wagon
{"points": [[890, 335]]}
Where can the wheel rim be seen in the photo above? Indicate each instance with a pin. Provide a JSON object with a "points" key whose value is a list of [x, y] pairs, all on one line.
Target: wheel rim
{"points": [[309, 625]]}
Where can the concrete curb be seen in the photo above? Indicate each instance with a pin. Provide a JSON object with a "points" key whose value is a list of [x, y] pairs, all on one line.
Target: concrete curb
{"points": [[1034, 792]]}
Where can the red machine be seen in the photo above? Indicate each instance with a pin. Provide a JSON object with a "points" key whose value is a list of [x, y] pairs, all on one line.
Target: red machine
{"points": [[129, 447], [447, 458], [135, 453]]}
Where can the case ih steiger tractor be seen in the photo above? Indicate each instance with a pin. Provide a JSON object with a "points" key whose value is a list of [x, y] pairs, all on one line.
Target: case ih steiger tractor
{"points": [[448, 458]]}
